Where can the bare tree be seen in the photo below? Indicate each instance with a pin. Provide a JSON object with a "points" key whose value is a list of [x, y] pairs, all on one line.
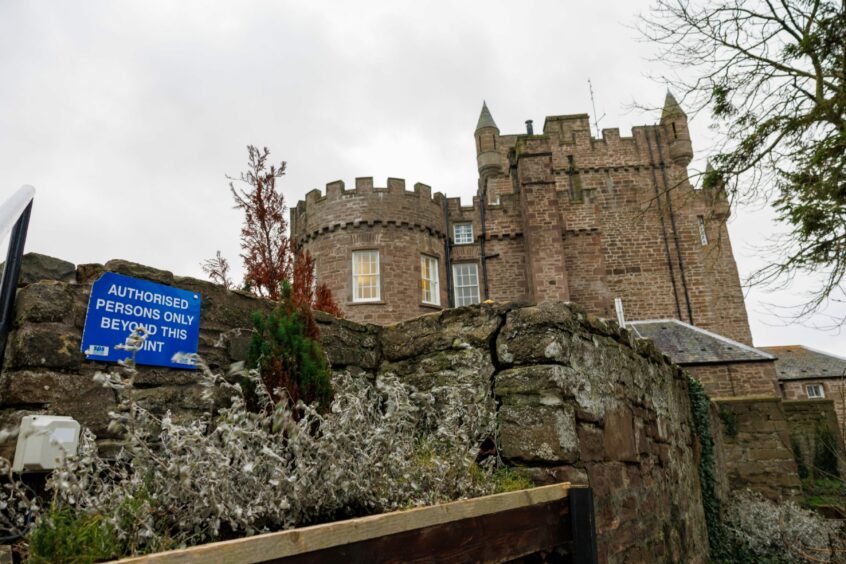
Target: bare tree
{"points": [[771, 73], [217, 269]]}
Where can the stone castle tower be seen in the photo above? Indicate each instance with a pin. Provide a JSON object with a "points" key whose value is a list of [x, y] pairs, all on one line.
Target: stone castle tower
{"points": [[559, 215]]}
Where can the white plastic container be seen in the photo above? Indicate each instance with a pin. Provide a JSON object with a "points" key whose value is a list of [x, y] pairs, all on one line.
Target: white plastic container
{"points": [[44, 441]]}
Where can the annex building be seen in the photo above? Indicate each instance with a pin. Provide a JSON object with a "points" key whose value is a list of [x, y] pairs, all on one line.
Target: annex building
{"points": [[612, 224]]}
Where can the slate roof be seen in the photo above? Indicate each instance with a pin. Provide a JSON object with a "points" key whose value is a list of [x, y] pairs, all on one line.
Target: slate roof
{"points": [[671, 108], [688, 345], [796, 362], [485, 118]]}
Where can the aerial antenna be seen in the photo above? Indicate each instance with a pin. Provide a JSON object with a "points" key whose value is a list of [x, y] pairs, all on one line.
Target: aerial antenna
{"points": [[593, 104]]}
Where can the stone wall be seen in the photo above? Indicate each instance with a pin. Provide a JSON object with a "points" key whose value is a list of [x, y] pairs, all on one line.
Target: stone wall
{"points": [[730, 380], [808, 421], [45, 372], [833, 388], [576, 398], [756, 447]]}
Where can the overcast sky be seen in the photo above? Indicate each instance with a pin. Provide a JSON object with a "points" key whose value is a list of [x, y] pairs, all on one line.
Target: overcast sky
{"points": [[126, 116]]}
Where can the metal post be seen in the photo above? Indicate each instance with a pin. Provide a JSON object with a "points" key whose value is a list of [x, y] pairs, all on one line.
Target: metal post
{"points": [[11, 273], [583, 526]]}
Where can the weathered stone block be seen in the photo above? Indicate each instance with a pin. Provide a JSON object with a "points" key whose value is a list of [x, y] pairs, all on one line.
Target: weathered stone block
{"points": [[619, 437], [136, 270], [44, 301], [537, 334], [349, 344], [462, 328], [531, 433], [36, 267], [60, 393], [45, 345]]}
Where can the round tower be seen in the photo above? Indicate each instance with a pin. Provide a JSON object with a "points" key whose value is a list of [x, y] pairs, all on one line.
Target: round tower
{"points": [[674, 122], [380, 250], [487, 139]]}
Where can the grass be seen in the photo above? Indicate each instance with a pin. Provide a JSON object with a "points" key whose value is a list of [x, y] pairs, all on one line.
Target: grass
{"points": [[824, 492], [71, 536]]}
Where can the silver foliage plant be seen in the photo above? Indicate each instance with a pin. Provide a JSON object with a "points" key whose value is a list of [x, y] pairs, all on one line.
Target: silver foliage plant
{"points": [[783, 532], [383, 446]]}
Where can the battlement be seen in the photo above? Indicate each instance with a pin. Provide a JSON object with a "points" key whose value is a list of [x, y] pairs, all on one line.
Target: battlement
{"points": [[368, 204], [363, 186], [571, 136]]}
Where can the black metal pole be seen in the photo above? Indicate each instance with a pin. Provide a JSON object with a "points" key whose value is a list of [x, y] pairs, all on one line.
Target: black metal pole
{"points": [[11, 273], [583, 526]]}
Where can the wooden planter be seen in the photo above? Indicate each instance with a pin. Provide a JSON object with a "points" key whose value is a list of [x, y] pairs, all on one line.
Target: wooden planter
{"points": [[494, 528]]}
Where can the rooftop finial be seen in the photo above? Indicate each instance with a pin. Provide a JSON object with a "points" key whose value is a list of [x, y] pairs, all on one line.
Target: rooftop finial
{"points": [[485, 118]]}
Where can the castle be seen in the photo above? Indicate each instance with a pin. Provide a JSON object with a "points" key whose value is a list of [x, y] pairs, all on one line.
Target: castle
{"points": [[612, 224]]}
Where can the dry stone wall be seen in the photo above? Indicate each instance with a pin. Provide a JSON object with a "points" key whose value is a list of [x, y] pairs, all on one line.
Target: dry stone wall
{"points": [[575, 398]]}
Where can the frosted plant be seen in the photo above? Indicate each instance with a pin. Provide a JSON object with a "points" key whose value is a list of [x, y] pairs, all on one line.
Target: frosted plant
{"points": [[783, 532], [234, 471]]}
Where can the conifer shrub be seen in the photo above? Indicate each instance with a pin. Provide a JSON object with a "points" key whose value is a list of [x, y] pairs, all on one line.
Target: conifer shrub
{"points": [[285, 351]]}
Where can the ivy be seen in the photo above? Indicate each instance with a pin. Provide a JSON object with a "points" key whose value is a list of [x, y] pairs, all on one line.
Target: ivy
{"points": [[700, 410]]}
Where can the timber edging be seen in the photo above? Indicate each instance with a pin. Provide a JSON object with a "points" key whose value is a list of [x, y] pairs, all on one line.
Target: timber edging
{"points": [[493, 528]]}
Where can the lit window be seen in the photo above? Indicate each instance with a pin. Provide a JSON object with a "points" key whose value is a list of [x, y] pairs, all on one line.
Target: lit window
{"points": [[465, 275], [815, 391], [463, 233], [429, 280], [365, 266], [703, 237]]}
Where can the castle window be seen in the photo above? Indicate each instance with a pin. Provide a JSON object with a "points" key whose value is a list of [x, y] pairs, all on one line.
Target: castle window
{"points": [[815, 391], [463, 233], [429, 280], [366, 285], [703, 236], [465, 276]]}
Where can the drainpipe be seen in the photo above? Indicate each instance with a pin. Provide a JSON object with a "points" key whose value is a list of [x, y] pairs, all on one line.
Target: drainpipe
{"points": [[483, 257], [448, 254], [673, 223], [663, 226]]}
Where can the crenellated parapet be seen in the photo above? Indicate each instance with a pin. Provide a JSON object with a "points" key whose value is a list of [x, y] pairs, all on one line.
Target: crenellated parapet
{"points": [[366, 204]]}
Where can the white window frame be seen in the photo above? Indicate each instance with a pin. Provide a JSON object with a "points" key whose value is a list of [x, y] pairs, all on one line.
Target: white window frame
{"points": [[464, 239], [817, 388], [357, 294], [703, 235], [460, 300], [430, 287]]}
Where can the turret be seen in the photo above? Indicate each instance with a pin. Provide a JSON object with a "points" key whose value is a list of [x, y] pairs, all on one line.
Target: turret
{"points": [[487, 139], [674, 122]]}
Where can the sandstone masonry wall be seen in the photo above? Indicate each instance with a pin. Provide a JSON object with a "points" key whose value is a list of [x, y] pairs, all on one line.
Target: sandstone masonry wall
{"points": [[807, 421], [833, 388], [756, 447], [576, 398], [738, 379]]}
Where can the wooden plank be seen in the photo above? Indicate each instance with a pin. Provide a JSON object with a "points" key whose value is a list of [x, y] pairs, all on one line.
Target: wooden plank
{"points": [[496, 537], [273, 546]]}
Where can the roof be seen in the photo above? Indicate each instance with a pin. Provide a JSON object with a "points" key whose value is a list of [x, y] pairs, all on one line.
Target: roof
{"points": [[485, 118], [687, 344], [796, 362], [671, 108]]}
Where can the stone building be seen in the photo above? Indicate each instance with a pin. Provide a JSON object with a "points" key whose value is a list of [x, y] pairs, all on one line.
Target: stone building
{"points": [[612, 224], [557, 216]]}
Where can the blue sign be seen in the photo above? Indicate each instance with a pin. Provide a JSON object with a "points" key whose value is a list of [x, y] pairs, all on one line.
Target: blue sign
{"points": [[119, 304]]}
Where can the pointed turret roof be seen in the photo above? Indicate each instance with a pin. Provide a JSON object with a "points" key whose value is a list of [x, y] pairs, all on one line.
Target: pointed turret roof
{"points": [[485, 118], [671, 108]]}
